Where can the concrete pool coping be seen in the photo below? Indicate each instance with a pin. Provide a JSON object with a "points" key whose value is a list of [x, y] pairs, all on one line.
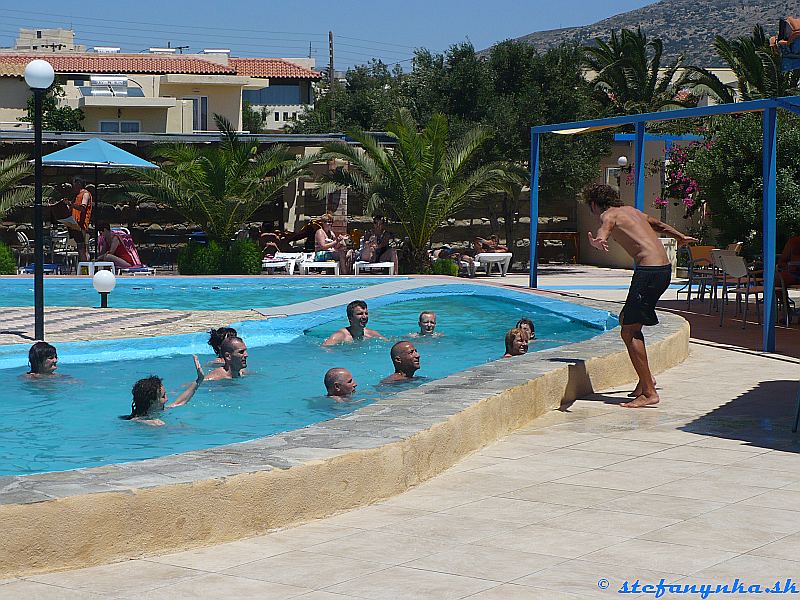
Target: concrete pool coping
{"points": [[97, 515]]}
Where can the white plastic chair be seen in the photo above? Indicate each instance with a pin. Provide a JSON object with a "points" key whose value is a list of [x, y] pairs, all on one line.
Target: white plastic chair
{"points": [[309, 263]]}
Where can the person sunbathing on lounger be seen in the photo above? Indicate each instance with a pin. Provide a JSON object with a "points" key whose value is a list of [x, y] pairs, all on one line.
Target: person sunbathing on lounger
{"points": [[117, 247], [358, 315], [488, 246]]}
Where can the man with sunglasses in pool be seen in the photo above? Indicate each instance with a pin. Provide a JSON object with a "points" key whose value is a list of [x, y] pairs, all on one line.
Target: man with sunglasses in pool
{"points": [[233, 352], [358, 315]]}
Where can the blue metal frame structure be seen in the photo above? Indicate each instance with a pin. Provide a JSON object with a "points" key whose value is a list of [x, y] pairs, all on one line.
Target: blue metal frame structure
{"points": [[767, 107]]}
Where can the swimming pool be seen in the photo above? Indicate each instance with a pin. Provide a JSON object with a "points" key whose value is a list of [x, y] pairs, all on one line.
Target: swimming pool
{"points": [[185, 293], [71, 423]]}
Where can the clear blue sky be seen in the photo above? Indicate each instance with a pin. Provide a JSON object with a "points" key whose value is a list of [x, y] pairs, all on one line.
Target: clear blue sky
{"points": [[362, 29]]}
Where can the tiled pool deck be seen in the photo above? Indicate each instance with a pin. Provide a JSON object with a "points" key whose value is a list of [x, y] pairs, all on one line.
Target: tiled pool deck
{"points": [[703, 489]]}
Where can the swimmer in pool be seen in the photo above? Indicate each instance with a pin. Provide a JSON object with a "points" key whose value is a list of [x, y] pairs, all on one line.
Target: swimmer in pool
{"points": [[527, 326], [43, 360], [150, 398], [215, 339], [427, 325], [516, 343], [233, 351], [358, 315], [405, 359], [340, 384]]}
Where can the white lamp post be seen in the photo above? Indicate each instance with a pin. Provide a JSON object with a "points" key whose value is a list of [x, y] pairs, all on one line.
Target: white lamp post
{"points": [[104, 282], [39, 76]]}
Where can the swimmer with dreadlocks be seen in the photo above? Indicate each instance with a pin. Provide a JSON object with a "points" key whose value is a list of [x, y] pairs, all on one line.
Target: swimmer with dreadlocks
{"points": [[150, 398]]}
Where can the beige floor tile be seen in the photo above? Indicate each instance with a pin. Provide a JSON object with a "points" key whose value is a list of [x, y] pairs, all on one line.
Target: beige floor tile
{"points": [[522, 512], [579, 458], [509, 591], [375, 516], [777, 461], [754, 569], [450, 527], [485, 562], [431, 499], [619, 480], [787, 548], [672, 507], [736, 475], [412, 584], [512, 448], [321, 595], [544, 436], [647, 464], [698, 531], [224, 556], [622, 446], [304, 536], [522, 472], [669, 436], [474, 461], [495, 479], [706, 489], [30, 590], [783, 498], [385, 547], [120, 578], [305, 569], [608, 522], [538, 539], [712, 456], [658, 556], [729, 444], [583, 578], [767, 519], [570, 495], [221, 587]]}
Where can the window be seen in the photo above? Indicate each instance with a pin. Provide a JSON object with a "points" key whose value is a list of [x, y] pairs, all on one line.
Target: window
{"points": [[120, 126], [277, 116], [199, 112], [294, 116], [277, 94], [38, 35], [613, 175], [286, 116]]}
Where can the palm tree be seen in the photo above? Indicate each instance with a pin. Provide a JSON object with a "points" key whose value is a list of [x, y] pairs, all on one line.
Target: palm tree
{"points": [[13, 170], [628, 73], [756, 66], [218, 188], [422, 181]]}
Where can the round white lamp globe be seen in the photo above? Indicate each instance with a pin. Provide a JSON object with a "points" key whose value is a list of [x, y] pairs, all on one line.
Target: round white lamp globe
{"points": [[39, 74], [104, 281], [622, 161]]}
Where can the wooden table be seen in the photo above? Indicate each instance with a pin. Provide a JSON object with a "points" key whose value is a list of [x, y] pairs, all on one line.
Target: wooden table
{"points": [[559, 235]]}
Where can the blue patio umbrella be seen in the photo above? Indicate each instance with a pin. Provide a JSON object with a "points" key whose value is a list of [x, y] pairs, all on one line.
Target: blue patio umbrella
{"points": [[96, 153]]}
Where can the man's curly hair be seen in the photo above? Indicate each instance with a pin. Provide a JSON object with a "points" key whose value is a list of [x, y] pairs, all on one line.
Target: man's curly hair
{"points": [[604, 196]]}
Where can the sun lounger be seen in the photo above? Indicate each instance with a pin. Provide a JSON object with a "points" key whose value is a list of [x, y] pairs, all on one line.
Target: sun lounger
{"points": [[309, 263], [362, 265], [488, 259], [134, 271]]}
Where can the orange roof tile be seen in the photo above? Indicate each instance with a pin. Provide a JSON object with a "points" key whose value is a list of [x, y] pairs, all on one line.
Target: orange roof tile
{"points": [[116, 63], [271, 67]]}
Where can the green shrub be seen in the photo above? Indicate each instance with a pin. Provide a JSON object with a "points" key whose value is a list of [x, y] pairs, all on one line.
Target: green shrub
{"points": [[445, 266], [201, 259], [8, 266], [243, 258]]}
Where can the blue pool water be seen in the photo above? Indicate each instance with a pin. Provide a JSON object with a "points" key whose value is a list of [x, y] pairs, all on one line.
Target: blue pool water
{"points": [[72, 422], [185, 293]]}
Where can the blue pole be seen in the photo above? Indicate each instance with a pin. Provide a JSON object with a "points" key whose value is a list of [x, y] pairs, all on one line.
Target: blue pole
{"points": [[769, 211], [638, 167], [534, 211]]}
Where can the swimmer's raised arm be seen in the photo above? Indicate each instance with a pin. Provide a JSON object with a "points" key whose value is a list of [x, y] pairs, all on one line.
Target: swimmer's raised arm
{"points": [[187, 394]]}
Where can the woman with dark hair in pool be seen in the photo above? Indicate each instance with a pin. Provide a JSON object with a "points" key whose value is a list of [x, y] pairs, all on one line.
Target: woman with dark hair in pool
{"points": [[43, 360], [216, 337], [150, 397]]}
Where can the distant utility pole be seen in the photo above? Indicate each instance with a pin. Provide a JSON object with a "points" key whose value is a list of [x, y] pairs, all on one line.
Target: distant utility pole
{"points": [[310, 53], [331, 76]]}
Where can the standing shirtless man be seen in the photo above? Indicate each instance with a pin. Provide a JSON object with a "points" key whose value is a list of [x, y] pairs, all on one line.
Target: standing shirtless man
{"points": [[636, 233]]}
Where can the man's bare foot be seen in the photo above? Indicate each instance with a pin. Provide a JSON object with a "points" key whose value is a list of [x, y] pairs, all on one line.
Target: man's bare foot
{"points": [[638, 389], [642, 401]]}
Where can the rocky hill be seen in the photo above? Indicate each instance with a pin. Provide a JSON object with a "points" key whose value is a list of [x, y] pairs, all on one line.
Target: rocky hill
{"points": [[685, 26]]}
